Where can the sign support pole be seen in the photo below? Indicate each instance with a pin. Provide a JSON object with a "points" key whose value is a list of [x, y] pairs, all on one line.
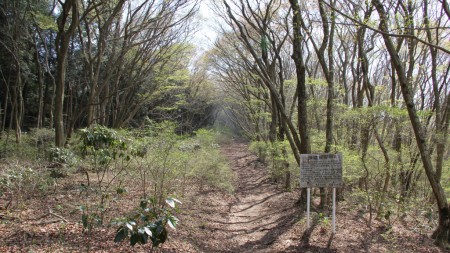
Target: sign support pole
{"points": [[334, 210], [308, 202]]}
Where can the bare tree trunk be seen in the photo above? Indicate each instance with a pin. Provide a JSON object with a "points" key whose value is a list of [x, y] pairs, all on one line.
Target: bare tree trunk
{"points": [[17, 108], [387, 174], [40, 76], [441, 121], [297, 56], [330, 96], [62, 47], [262, 71], [6, 98]]}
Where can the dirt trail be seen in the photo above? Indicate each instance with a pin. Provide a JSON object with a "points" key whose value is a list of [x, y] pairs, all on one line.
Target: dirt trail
{"points": [[253, 214], [256, 214]]}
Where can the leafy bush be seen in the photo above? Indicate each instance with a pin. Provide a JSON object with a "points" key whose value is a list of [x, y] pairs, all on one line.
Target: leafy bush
{"points": [[109, 156], [211, 169], [102, 143], [278, 158], [260, 148], [148, 223], [34, 145], [207, 165], [62, 155], [41, 137], [22, 181]]}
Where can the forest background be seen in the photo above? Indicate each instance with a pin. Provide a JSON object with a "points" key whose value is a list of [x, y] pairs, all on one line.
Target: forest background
{"points": [[119, 90]]}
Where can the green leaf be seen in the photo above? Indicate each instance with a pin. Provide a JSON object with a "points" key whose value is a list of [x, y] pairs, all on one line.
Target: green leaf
{"points": [[121, 190], [148, 231], [143, 204], [163, 236], [45, 22], [171, 202], [129, 226], [144, 238], [171, 224], [121, 234], [84, 219], [134, 239]]}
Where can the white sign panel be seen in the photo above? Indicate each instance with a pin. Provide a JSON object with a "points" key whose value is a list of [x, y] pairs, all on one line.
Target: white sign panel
{"points": [[320, 170]]}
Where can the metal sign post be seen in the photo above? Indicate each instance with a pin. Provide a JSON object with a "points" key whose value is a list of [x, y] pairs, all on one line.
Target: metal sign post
{"points": [[308, 203], [334, 210]]}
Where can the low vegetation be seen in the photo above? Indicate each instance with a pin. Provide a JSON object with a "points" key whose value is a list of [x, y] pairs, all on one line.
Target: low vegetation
{"points": [[149, 168]]}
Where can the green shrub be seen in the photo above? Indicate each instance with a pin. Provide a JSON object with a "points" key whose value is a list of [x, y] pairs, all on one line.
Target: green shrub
{"points": [[41, 137], [211, 169], [108, 155], [278, 157], [260, 148], [23, 181], [171, 160], [62, 155], [148, 223]]}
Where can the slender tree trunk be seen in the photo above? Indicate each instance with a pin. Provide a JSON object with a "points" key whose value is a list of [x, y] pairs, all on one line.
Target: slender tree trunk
{"points": [[441, 121], [387, 174], [330, 96], [314, 109], [297, 56], [265, 76], [17, 108], [273, 121], [5, 105], [62, 48], [40, 77]]}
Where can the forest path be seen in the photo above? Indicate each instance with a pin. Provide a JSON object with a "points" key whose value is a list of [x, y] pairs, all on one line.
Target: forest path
{"points": [[253, 214], [258, 212]]}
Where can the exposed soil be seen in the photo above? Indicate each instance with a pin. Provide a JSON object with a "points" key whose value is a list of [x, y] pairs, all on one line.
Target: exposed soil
{"points": [[249, 220], [259, 216]]}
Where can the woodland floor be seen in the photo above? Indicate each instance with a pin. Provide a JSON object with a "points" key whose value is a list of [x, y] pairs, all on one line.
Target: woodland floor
{"points": [[257, 217]]}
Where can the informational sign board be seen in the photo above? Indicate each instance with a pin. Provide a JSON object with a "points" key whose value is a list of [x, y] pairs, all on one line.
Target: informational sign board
{"points": [[321, 170]]}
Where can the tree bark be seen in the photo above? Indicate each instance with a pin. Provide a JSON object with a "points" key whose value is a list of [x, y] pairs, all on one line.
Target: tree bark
{"points": [[297, 56], [62, 47], [40, 76]]}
